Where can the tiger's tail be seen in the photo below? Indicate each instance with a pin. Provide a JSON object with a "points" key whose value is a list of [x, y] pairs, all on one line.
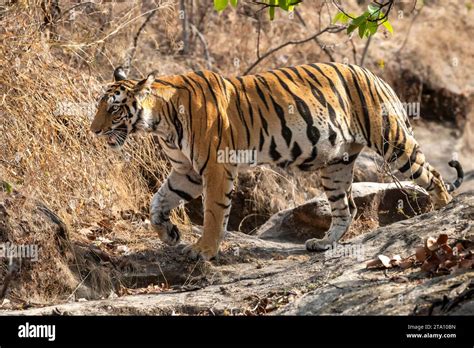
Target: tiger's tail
{"points": [[401, 150]]}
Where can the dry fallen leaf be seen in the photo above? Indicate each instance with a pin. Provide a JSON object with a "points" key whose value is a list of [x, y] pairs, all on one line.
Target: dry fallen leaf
{"points": [[466, 263], [407, 263], [385, 261], [395, 261], [374, 263], [431, 244], [447, 249], [421, 254], [442, 239]]}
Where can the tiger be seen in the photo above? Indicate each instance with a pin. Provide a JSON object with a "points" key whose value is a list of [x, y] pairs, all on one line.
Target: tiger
{"points": [[308, 117]]}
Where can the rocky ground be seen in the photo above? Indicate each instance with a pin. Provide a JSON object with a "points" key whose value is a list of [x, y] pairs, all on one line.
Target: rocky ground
{"points": [[271, 275]]}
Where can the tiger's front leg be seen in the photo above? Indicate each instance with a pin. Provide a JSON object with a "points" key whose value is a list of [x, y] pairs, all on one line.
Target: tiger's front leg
{"points": [[178, 187], [218, 187]]}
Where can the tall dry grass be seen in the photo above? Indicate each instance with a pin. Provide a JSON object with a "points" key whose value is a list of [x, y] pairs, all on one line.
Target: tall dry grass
{"points": [[47, 149]]}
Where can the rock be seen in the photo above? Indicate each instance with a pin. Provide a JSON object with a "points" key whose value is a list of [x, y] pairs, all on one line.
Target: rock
{"points": [[377, 203], [368, 168], [417, 294], [309, 220], [387, 203]]}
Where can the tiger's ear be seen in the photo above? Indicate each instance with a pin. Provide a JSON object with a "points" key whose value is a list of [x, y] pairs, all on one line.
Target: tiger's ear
{"points": [[119, 74], [143, 87]]}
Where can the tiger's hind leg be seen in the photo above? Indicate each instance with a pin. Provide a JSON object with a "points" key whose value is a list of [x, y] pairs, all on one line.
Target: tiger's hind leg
{"points": [[411, 162], [178, 187], [337, 184]]}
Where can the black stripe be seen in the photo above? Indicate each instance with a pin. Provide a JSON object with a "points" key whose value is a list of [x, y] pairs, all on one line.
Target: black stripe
{"points": [[221, 81], [411, 160], [329, 188], [263, 121], [229, 174], [182, 194], [194, 181], [333, 88], [417, 174], [431, 185], [399, 144], [177, 126], [303, 109], [207, 161], [166, 83], [261, 94], [224, 206], [332, 135], [295, 151], [244, 91], [203, 96], [285, 131], [311, 75], [261, 142], [336, 198], [296, 72], [287, 74], [363, 105], [173, 160], [342, 79], [274, 154], [307, 164], [239, 109]]}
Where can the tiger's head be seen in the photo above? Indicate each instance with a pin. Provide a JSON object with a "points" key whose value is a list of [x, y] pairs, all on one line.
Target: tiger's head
{"points": [[123, 109]]}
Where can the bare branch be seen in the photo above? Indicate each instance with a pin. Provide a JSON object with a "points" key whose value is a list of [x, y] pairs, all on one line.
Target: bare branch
{"points": [[409, 31], [128, 61], [366, 49], [204, 45], [323, 47], [330, 29]]}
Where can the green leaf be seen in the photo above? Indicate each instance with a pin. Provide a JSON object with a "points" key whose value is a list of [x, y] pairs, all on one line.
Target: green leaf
{"points": [[351, 28], [388, 26], [6, 186], [338, 18], [220, 5], [271, 11], [371, 28], [359, 20], [233, 2], [362, 28], [283, 4], [373, 9]]}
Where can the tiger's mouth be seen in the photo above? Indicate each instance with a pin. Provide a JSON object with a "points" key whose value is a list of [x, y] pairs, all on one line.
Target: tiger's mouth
{"points": [[116, 139]]}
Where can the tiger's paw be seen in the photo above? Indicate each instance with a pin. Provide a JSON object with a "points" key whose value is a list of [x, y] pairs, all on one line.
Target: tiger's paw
{"points": [[168, 233], [199, 251], [315, 244]]}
